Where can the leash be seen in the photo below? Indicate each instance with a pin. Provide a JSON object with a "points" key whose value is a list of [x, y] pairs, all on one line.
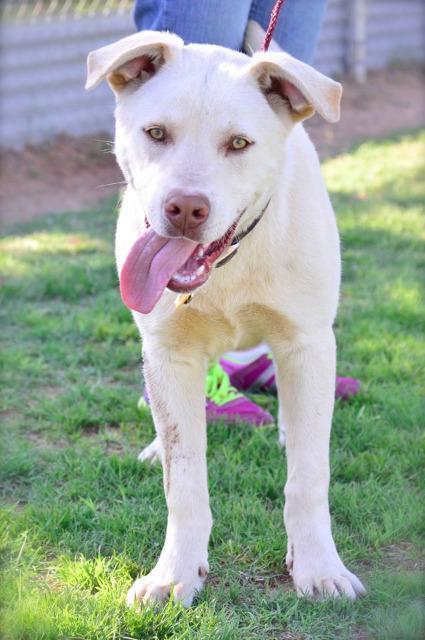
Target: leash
{"points": [[274, 16], [185, 298]]}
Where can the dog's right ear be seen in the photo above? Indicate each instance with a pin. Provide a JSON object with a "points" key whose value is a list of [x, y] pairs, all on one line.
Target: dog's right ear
{"points": [[135, 58], [295, 83]]}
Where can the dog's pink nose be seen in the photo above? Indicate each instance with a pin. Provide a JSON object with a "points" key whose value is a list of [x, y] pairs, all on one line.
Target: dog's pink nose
{"points": [[186, 211]]}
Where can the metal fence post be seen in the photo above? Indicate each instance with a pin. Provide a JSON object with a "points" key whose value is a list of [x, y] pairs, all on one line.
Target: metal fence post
{"points": [[357, 40]]}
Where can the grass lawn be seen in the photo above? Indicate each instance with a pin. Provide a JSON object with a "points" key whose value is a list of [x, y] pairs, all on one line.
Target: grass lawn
{"points": [[81, 517]]}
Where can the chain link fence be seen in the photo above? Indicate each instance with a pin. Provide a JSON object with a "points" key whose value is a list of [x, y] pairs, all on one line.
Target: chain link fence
{"points": [[45, 10]]}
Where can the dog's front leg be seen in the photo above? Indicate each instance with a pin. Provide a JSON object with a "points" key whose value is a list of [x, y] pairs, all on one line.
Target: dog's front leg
{"points": [[306, 381], [176, 390]]}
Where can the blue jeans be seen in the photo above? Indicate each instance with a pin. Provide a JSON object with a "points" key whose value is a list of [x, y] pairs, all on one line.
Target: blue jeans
{"points": [[223, 22]]}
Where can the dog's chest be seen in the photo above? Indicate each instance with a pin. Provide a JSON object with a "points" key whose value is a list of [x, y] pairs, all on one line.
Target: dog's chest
{"points": [[213, 331]]}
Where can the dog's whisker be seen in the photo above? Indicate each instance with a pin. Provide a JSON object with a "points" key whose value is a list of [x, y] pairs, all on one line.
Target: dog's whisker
{"points": [[109, 144], [110, 184]]}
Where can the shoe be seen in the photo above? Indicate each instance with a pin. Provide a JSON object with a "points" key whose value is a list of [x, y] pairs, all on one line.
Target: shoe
{"points": [[224, 402], [346, 388], [257, 374], [254, 370]]}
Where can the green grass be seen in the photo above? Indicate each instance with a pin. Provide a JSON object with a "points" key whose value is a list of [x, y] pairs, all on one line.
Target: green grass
{"points": [[81, 517]]}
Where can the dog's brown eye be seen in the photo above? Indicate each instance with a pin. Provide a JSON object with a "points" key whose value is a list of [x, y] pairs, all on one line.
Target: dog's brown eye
{"points": [[238, 143], [156, 133]]}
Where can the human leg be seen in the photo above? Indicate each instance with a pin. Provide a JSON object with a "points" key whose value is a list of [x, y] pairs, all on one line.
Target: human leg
{"points": [[221, 22]]}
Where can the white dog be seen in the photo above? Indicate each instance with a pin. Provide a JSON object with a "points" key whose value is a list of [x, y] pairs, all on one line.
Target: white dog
{"points": [[211, 145]]}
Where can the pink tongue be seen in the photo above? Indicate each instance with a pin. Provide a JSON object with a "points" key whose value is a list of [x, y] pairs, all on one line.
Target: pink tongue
{"points": [[150, 265]]}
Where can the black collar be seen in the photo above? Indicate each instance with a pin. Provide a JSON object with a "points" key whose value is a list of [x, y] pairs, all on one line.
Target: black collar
{"points": [[239, 236]]}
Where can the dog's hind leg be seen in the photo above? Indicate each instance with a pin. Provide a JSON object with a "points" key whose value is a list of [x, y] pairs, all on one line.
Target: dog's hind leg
{"points": [[152, 453], [176, 389], [306, 380]]}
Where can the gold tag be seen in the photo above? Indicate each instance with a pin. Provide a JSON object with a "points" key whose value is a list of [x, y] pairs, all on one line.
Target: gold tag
{"points": [[182, 298]]}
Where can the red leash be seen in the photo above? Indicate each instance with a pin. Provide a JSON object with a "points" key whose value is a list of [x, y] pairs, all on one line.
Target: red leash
{"points": [[272, 24]]}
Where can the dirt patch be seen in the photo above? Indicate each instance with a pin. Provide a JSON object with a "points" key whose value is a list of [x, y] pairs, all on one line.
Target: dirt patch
{"points": [[400, 556], [63, 175], [8, 414], [108, 437], [71, 173], [113, 447], [403, 555], [91, 430], [51, 392], [268, 582], [391, 100], [40, 441]]}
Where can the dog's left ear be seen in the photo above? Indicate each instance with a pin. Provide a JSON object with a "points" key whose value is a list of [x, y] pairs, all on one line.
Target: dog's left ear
{"points": [[131, 60], [302, 88]]}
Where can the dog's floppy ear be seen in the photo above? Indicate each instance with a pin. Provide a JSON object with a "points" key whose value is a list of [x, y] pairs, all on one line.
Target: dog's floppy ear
{"points": [[304, 89], [136, 57]]}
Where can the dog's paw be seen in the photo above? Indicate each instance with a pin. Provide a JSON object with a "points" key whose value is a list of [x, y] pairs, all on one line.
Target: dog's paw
{"points": [[316, 579], [152, 453], [160, 583], [330, 585]]}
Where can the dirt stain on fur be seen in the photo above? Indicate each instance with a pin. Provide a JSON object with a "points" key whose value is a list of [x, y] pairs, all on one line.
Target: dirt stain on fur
{"points": [[170, 440], [167, 430], [158, 405]]}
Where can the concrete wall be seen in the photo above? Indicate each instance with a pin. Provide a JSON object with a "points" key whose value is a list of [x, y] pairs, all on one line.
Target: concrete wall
{"points": [[42, 65]]}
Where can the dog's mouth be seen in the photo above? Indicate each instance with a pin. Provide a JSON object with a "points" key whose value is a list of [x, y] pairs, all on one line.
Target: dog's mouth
{"points": [[196, 269], [155, 263]]}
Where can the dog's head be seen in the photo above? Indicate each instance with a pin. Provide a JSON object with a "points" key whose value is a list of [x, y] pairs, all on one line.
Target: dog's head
{"points": [[200, 133]]}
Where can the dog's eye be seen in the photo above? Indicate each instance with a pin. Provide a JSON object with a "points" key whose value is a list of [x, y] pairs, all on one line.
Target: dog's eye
{"points": [[238, 143], [156, 133]]}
